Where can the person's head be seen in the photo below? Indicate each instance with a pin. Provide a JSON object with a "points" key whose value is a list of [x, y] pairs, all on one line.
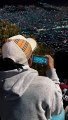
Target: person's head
{"points": [[19, 49], [65, 81]]}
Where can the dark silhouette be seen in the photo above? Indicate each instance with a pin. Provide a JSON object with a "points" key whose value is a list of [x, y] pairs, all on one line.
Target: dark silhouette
{"points": [[61, 64]]}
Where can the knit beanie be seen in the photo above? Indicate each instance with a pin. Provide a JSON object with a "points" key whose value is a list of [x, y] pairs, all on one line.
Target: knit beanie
{"points": [[19, 48]]}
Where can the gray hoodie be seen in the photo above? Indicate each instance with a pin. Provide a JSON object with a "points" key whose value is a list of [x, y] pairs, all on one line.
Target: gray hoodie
{"points": [[27, 96]]}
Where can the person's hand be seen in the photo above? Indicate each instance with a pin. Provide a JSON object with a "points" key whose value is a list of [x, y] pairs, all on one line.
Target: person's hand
{"points": [[50, 62]]}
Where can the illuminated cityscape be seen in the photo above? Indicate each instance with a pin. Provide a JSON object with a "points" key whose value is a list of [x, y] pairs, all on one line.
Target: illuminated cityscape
{"points": [[47, 23]]}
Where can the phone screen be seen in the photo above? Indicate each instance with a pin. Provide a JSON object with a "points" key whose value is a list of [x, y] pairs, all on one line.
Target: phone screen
{"points": [[40, 59]]}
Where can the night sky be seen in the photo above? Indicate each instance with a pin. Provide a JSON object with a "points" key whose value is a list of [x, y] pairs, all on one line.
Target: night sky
{"points": [[27, 2]]}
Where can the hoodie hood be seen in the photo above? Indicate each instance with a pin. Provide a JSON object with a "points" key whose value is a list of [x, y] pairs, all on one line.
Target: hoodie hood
{"points": [[17, 81]]}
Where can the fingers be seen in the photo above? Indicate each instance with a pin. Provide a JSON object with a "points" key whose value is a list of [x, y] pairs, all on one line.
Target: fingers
{"points": [[50, 61]]}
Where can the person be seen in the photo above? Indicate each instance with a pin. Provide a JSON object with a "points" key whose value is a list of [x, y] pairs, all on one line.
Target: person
{"points": [[61, 60], [66, 113], [64, 84], [64, 88], [24, 95]]}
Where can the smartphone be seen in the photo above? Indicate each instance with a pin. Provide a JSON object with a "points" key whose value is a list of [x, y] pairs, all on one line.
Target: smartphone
{"points": [[40, 59]]}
